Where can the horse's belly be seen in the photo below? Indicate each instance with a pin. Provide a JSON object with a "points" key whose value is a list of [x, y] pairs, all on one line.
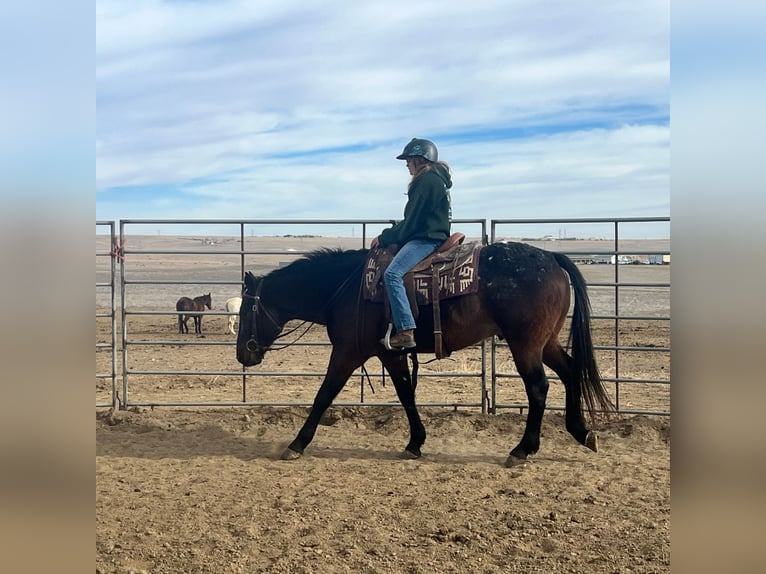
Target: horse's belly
{"points": [[466, 322]]}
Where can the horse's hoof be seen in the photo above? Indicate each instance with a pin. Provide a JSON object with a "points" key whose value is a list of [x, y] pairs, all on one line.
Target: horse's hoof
{"points": [[409, 455], [591, 441], [514, 461], [290, 454]]}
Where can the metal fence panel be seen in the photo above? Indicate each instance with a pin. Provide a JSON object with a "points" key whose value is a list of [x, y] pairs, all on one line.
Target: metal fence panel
{"points": [[629, 288], [217, 264]]}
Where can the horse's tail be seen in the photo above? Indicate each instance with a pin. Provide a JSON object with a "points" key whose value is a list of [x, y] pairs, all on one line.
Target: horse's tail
{"points": [[586, 373]]}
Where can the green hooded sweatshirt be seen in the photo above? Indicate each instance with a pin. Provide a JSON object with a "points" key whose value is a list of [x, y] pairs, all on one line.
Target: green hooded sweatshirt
{"points": [[428, 211]]}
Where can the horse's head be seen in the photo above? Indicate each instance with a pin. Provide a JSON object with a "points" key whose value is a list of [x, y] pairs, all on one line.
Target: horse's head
{"points": [[208, 301], [259, 324]]}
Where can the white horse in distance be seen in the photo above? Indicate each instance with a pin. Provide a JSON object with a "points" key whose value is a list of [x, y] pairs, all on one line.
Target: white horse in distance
{"points": [[232, 306]]}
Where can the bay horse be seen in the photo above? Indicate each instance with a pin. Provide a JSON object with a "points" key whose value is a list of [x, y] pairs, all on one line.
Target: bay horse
{"points": [[523, 297], [232, 306], [194, 307]]}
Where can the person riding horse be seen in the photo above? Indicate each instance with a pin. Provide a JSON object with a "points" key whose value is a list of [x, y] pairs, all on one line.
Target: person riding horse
{"points": [[425, 226]]}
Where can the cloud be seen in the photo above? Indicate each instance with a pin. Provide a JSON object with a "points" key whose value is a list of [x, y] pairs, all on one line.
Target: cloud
{"points": [[236, 108]]}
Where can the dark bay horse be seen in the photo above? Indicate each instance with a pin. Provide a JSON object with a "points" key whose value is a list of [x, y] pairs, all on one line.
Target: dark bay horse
{"points": [[191, 305], [523, 297]]}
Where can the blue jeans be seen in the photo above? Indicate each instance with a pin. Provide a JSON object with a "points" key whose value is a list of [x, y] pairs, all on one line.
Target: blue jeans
{"points": [[411, 253]]}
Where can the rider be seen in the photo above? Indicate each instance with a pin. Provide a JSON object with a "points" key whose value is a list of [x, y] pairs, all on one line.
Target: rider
{"points": [[425, 226]]}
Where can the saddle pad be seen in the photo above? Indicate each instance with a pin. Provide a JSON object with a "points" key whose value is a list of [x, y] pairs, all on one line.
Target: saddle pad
{"points": [[458, 273]]}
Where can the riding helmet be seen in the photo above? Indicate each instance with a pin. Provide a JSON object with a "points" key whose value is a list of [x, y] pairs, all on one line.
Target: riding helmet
{"points": [[420, 148]]}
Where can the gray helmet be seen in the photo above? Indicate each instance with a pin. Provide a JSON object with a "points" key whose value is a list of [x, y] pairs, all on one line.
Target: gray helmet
{"points": [[420, 148]]}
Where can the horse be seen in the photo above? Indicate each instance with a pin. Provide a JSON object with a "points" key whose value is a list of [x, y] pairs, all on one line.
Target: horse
{"points": [[194, 306], [523, 297], [232, 306]]}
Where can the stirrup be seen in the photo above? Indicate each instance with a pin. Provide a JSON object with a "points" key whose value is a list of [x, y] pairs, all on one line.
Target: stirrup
{"points": [[387, 339]]}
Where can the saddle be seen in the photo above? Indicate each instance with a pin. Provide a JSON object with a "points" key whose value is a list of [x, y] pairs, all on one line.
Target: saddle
{"points": [[450, 271]]}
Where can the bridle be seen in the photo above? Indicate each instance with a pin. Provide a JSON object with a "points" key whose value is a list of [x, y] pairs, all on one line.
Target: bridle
{"points": [[252, 344]]}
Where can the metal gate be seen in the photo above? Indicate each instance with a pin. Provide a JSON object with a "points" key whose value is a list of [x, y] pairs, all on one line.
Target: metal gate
{"points": [[106, 325]]}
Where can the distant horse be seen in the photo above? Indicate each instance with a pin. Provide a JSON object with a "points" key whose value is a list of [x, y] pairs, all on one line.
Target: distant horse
{"points": [[232, 306], [523, 297], [194, 306]]}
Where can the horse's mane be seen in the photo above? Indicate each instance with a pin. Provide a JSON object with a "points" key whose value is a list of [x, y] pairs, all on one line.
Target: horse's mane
{"points": [[325, 266], [335, 257]]}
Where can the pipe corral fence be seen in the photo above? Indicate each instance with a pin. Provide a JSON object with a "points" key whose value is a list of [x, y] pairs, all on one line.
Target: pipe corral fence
{"points": [[141, 271]]}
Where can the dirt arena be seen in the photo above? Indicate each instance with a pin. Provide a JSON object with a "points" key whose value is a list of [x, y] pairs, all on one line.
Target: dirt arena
{"points": [[202, 489]]}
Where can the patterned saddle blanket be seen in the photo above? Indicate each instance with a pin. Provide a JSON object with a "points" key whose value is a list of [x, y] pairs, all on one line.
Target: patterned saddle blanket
{"points": [[457, 270]]}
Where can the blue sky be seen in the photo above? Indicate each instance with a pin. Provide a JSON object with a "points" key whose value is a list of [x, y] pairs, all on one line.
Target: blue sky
{"points": [[285, 110]]}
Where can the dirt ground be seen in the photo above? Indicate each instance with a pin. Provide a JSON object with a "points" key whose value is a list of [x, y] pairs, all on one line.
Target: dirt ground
{"points": [[203, 489]]}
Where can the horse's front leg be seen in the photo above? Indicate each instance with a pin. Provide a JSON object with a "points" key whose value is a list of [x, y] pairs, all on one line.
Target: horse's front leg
{"points": [[397, 367], [338, 372]]}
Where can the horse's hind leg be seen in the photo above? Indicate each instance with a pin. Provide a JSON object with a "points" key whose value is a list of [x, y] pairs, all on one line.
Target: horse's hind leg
{"points": [[557, 359], [397, 367], [530, 366]]}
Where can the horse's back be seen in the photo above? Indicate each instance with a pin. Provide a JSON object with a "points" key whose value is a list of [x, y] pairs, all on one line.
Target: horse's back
{"points": [[233, 304], [522, 277], [184, 303], [521, 263]]}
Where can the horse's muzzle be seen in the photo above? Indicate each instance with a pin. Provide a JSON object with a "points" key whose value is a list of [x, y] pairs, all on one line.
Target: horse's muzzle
{"points": [[249, 360], [250, 353]]}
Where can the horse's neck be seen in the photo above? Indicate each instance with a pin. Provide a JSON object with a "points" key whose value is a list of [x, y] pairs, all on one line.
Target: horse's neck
{"points": [[301, 299]]}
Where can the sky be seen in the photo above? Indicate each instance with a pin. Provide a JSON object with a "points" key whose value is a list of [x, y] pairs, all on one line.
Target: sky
{"points": [[243, 110]]}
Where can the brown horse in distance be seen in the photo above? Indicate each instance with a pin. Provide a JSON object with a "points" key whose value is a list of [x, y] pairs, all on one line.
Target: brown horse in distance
{"points": [[192, 308]]}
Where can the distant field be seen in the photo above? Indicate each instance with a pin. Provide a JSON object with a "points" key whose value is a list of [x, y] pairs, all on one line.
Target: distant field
{"points": [[210, 259]]}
